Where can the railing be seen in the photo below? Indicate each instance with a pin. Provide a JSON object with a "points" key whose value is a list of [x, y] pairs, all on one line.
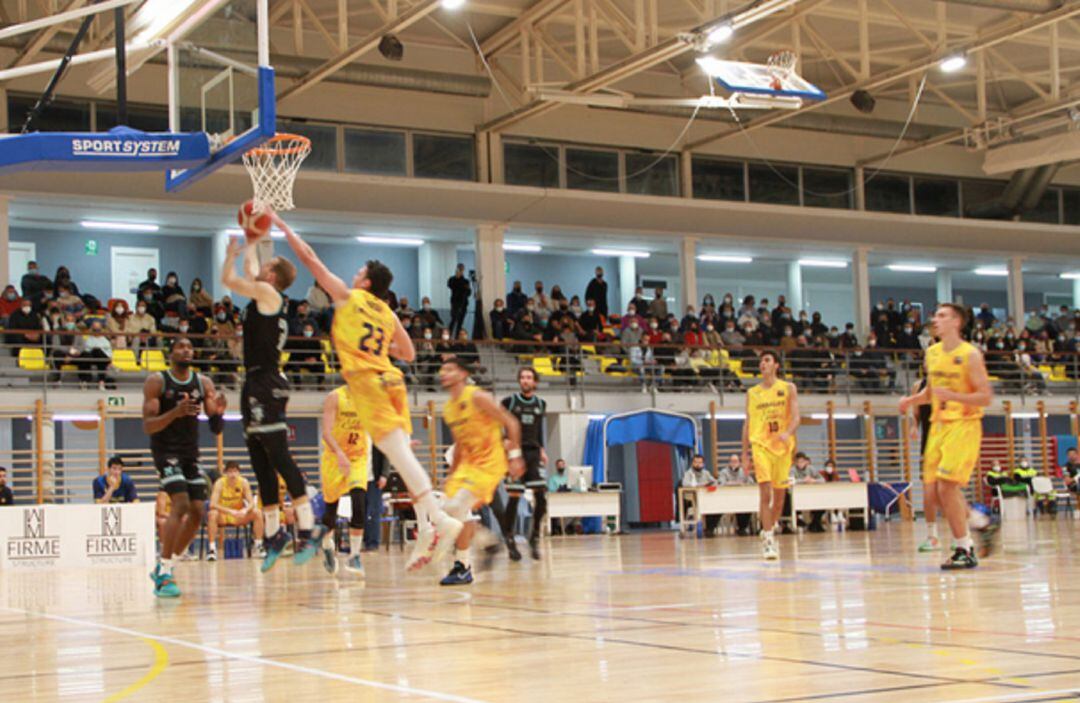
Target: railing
{"points": [[311, 364]]}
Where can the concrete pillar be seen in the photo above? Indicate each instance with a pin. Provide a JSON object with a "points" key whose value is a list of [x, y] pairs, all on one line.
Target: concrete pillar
{"points": [[219, 246], [944, 286], [5, 241], [860, 188], [860, 279], [687, 274], [627, 281], [436, 262], [795, 289], [490, 267], [686, 173], [1076, 294], [1016, 290], [48, 456]]}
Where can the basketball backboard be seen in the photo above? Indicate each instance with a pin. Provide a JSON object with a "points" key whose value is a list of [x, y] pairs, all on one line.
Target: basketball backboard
{"points": [[741, 78]]}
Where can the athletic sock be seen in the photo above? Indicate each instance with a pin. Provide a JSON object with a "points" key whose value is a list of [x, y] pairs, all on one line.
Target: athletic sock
{"points": [[966, 543], [305, 519], [462, 555], [356, 543], [931, 530], [166, 566], [272, 521]]}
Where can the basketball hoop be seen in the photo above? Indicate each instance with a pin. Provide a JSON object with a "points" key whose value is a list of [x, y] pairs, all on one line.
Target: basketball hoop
{"points": [[781, 67], [273, 168]]}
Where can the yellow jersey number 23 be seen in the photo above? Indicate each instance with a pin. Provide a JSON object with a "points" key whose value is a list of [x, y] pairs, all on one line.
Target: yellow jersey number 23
{"points": [[373, 340]]}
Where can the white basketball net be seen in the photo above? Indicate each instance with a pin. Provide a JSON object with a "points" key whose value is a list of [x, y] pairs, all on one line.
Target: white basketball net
{"points": [[273, 168], [782, 65]]}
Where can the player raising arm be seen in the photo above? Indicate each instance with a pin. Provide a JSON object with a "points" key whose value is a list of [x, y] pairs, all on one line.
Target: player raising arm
{"points": [[366, 332]]}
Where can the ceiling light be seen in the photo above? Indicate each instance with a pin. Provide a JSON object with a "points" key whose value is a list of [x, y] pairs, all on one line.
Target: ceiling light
{"points": [[621, 252], [391, 241], [1071, 275], [952, 64], [155, 16], [824, 263], [120, 226], [518, 246], [453, 4], [912, 268], [718, 259], [991, 271], [720, 33], [710, 64]]}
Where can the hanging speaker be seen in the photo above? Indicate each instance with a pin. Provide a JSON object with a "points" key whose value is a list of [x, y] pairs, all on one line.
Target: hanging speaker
{"points": [[863, 101], [391, 48]]}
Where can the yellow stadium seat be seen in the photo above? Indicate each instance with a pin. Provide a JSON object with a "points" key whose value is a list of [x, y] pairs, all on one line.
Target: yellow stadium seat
{"points": [[154, 360], [612, 367], [1057, 373], [545, 367], [124, 360], [32, 359], [589, 349]]}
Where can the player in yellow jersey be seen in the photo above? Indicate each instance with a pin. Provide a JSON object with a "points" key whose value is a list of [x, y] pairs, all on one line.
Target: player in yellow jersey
{"points": [[958, 390], [366, 333], [772, 416], [344, 470], [480, 462], [232, 503]]}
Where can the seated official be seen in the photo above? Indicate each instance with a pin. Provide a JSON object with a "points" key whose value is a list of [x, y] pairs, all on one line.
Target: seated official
{"points": [[735, 475], [114, 486], [699, 477], [232, 503]]}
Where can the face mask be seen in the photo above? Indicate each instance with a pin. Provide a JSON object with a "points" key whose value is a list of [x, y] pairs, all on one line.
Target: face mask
{"points": [[802, 318], [26, 309], [240, 332], [148, 297], [141, 309], [196, 287], [711, 328], [11, 296], [498, 308], [183, 329], [591, 308], [529, 308], [1000, 345], [446, 337], [1022, 347], [171, 282], [654, 325], [427, 335], [308, 333], [907, 330], [633, 325], [121, 311], [427, 306], [880, 306], [69, 325], [872, 343], [221, 317], [576, 309]]}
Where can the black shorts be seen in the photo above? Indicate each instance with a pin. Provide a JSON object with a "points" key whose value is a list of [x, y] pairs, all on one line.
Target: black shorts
{"points": [[532, 478], [262, 402], [181, 474]]}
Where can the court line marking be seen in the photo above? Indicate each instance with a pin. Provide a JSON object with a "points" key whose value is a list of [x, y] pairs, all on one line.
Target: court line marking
{"points": [[161, 660], [251, 659], [1026, 696]]}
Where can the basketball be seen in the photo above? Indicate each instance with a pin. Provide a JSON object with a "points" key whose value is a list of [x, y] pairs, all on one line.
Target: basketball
{"points": [[255, 223]]}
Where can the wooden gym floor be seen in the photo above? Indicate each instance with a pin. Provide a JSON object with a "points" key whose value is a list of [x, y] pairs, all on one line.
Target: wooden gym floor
{"points": [[647, 617]]}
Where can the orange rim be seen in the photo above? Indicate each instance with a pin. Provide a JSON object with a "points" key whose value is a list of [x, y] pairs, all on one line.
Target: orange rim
{"points": [[276, 145]]}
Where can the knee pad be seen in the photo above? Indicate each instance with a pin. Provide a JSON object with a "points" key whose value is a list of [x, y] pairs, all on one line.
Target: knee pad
{"points": [[358, 499]]}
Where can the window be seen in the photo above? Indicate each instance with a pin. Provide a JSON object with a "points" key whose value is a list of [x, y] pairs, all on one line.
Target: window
{"points": [[60, 116], [592, 170], [371, 151], [1046, 211], [647, 176], [888, 194], [827, 188], [323, 156], [1071, 200], [441, 156], [774, 184], [718, 180], [148, 118], [531, 165], [937, 197]]}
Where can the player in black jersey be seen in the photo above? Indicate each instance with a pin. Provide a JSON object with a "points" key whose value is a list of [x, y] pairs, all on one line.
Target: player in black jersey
{"points": [[172, 401], [931, 502], [265, 394], [529, 410]]}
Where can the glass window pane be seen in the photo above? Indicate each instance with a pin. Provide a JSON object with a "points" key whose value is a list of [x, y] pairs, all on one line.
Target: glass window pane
{"points": [[441, 156], [371, 151], [718, 180], [828, 188], [592, 170], [531, 165], [978, 193], [1072, 207], [774, 184], [60, 116], [937, 197], [888, 194], [1046, 211], [323, 156], [647, 176]]}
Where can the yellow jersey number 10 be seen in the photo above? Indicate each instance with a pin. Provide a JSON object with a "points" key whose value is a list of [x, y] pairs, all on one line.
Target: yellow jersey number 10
{"points": [[373, 340]]}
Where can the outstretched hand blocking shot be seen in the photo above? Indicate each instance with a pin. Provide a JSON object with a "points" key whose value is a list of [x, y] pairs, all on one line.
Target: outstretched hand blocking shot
{"points": [[366, 334]]}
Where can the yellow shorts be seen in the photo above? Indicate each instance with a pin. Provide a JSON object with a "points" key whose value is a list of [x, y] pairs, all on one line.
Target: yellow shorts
{"points": [[227, 519], [773, 468], [334, 484], [952, 450], [482, 482], [382, 401]]}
